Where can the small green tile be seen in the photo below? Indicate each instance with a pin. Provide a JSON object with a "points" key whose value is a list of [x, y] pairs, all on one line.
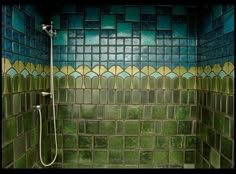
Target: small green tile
{"points": [[162, 142], [120, 127], [147, 112], [21, 162], [112, 112], [168, 96], [92, 127], [115, 157], [108, 22], [185, 127], [169, 127], [30, 158], [158, 127], [127, 97], [132, 14], [132, 127], [64, 111], [147, 127], [119, 97], [79, 94], [16, 100], [143, 97], [159, 112], [100, 142], [160, 96], [190, 142], [124, 29], [170, 112], [184, 97], [28, 121], [69, 156], [215, 158], [71, 96], [107, 127], [135, 112], [131, 142], [69, 126], [177, 142], [116, 142], [146, 157], [7, 155], [85, 141], [88, 111], [95, 96], [226, 147], [151, 96], [161, 157], [100, 157], [219, 122], [8, 129], [148, 37], [131, 157], [224, 163], [206, 151], [147, 142], [182, 112], [176, 96], [176, 157], [85, 157], [87, 96], [69, 141]]}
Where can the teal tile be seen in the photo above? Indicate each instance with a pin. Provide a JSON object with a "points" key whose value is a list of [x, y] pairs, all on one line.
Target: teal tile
{"points": [[132, 14], [124, 29], [18, 21], [91, 37], [228, 22], [60, 38], [56, 21], [179, 10], [179, 29], [148, 9], [148, 37], [163, 22], [92, 14], [108, 21], [75, 21], [217, 11]]}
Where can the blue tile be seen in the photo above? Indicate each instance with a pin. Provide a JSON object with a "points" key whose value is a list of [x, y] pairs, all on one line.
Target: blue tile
{"points": [[148, 38], [228, 22], [179, 29], [132, 14], [108, 22], [91, 37], [8, 21], [179, 10], [163, 22], [75, 21], [60, 38], [124, 29], [92, 14]]}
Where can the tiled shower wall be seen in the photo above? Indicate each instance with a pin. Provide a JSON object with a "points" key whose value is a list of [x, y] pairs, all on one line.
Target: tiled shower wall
{"points": [[125, 86], [24, 73], [216, 88]]}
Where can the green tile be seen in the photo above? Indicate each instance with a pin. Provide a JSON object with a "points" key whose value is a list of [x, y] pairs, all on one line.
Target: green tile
{"points": [[92, 14], [76, 111], [64, 111], [206, 151], [71, 96], [182, 112], [115, 157], [100, 111], [179, 29], [21, 162], [69, 141], [177, 142], [147, 142], [160, 96], [146, 157], [85, 157], [168, 96], [87, 96], [69, 156], [190, 156], [132, 127], [163, 22], [28, 121], [108, 22], [226, 147], [62, 95], [147, 127], [100, 142], [219, 122], [176, 96], [85, 141], [185, 127], [179, 10], [95, 96], [128, 97], [152, 97], [131, 142], [190, 142], [124, 112], [111, 96], [224, 163], [148, 37], [170, 112], [161, 157], [147, 112], [159, 112], [176, 157], [60, 38], [184, 97], [79, 95], [124, 29], [116, 142], [69, 126], [135, 112], [7, 155], [158, 127], [162, 142], [131, 157], [230, 105], [16, 100], [92, 127], [91, 37], [143, 97], [100, 157], [112, 112], [9, 129], [132, 14], [119, 97], [30, 158], [88, 111], [107, 127], [169, 127], [18, 20], [214, 158]]}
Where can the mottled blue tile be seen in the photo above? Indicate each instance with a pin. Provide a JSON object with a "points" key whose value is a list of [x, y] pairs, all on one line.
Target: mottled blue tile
{"points": [[108, 22], [60, 38], [148, 37], [124, 29], [75, 21], [92, 14], [132, 14], [163, 22]]}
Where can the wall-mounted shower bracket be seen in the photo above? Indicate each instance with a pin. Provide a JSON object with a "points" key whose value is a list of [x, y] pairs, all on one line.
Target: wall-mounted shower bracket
{"points": [[46, 93]]}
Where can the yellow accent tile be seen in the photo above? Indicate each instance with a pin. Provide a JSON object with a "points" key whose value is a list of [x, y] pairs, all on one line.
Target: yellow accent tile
{"points": [[16, 66], [207, 69], [228, 67], [39, 68], [102, 69], [86, 69], [182, 70], [3, 65], [199, 69], [113, 70], [80, 69], [70, 69], [145, 70], [135, 70], [96, 69], [193, 70], [55, 69], [64, 70], [129, 70], [118, 70], [28, 67], [21, 66], [151, 70], [166, 70], [47, 69], [176, 70]]}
